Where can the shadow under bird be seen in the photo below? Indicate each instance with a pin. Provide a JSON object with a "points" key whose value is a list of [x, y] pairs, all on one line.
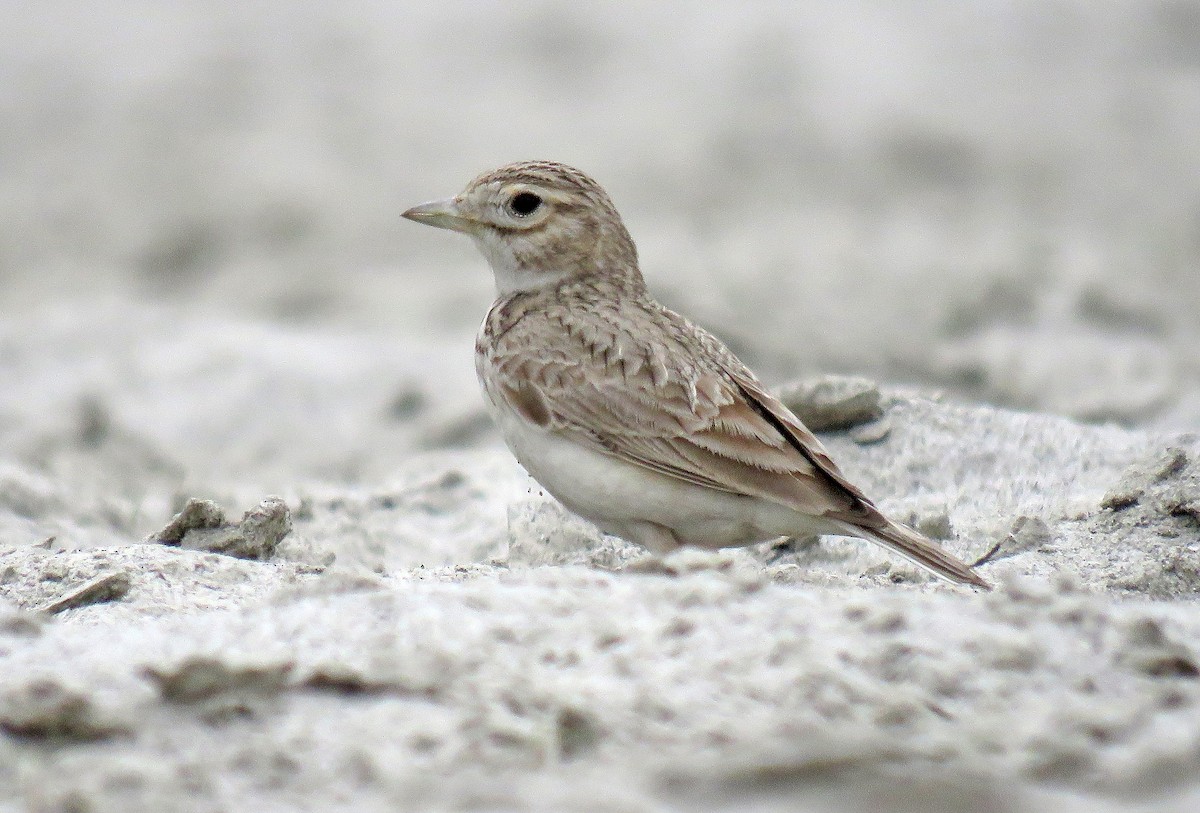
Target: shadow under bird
{"points": [[630, 415]]}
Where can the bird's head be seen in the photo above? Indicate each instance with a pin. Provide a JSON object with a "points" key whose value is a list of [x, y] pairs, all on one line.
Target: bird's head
{"points": [[538, 223]]}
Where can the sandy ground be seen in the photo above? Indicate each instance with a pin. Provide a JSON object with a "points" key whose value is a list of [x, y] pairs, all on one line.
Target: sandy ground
{"points": [[206, 292]]}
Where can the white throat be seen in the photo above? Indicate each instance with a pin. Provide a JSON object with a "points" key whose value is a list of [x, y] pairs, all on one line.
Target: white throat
{"points": [[511, 276]]}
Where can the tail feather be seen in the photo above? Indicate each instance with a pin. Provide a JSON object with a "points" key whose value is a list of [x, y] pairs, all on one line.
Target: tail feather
{"points": [[920, 551]]}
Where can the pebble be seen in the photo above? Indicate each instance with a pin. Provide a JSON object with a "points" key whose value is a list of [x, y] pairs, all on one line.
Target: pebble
{"points": [[104, 588], [201, 525], [834, 402]]}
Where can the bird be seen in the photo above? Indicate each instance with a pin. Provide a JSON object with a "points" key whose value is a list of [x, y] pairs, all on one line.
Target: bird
{"points": [[627, 413]]}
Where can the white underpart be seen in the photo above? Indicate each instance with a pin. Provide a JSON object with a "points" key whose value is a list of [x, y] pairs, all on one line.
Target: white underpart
{"points": [[638, 504], [511, 278]]}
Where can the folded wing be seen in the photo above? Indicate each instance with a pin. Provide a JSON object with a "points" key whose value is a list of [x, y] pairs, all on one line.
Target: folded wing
{"points": [[701, 417]]}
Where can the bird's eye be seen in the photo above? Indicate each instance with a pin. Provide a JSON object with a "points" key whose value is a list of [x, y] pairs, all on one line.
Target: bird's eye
{"points": [[524, 204]]}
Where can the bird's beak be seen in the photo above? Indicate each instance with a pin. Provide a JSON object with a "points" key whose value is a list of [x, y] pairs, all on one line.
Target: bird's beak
{"points": [[445, 214]]}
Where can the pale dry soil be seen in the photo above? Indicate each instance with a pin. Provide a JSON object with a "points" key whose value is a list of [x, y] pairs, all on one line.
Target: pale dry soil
{"points": [[206, 292], [434, 634]]}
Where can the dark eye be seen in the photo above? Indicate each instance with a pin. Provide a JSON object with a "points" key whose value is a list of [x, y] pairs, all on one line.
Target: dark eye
{"points": [[524, 204]]}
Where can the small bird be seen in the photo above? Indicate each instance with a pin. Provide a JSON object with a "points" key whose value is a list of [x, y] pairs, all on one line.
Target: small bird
{"points": [[627, 413]]}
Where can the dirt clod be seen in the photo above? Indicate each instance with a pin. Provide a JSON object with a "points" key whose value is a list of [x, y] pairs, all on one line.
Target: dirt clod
{"points": [[201, 525]]}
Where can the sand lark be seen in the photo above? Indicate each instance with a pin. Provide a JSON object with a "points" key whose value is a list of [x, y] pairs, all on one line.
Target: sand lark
{"points": [[630, 415]]}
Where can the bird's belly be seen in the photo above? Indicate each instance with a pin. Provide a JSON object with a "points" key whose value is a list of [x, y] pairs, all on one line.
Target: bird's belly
{"points": [[617, 495]]}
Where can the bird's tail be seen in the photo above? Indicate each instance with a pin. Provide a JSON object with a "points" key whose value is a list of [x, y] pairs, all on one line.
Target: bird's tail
{"points": [[920, 551]]}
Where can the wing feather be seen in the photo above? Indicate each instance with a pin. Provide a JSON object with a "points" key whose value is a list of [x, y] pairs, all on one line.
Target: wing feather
{"points": [[681, 405], [685, 408]]}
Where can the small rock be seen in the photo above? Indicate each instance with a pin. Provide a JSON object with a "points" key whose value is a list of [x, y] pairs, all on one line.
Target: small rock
{"points": [[201, 525], [263, 528], [204, 678], [833, 402], [104, 588], [47, 710], [1122, 496]]}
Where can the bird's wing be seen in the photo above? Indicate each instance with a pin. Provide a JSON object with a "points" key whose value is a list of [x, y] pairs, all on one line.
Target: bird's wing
{"points": [[681, 405], [684, 406]]}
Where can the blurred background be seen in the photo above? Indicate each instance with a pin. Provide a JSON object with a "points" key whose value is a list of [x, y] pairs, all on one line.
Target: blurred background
{"points": [[207, 290], [998, 200]]}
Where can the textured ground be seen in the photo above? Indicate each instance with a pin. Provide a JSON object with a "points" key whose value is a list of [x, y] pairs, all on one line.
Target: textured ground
{"points": [[440, 636], [206, 292]]}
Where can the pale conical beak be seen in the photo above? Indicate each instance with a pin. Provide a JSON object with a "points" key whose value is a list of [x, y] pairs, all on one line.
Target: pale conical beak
{"points": [[445, 214]]}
